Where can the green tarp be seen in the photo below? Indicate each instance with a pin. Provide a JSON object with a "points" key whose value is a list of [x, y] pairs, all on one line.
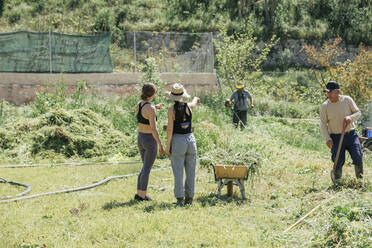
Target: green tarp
{"points": [[54, 52]]}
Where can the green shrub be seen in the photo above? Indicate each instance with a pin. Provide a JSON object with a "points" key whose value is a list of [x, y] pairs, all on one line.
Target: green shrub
{"points": [[14, 16], [103, 22], [2, 3], [73, 4]]}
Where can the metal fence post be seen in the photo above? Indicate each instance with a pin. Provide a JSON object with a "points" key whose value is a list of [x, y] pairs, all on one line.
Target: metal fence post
{"points": [[212, 51], [134, 51], [50, 53], [1, 110], [286, 99]]}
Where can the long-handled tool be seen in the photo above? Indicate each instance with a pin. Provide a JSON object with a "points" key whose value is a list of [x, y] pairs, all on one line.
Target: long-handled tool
{"points": [[229, 105], [333, 171]]}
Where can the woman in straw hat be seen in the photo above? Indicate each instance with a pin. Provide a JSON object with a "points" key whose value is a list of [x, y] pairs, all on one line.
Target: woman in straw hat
{"points": [[181, 144], [148, 138]]}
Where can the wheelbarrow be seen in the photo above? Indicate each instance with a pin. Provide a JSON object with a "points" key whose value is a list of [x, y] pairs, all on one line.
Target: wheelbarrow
{"points": [[231, 175], [366, 139]]}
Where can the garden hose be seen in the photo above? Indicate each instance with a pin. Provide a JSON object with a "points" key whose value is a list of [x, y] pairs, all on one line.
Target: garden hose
{"points": [[28, 188], [68, 164], [74, 189]]}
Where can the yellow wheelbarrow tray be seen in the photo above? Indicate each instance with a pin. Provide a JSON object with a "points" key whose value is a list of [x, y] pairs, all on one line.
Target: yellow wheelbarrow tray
{"points": [[231, 175]]}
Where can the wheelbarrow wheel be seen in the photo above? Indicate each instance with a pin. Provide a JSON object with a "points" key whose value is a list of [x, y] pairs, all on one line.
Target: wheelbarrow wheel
{"points": [[367, 145]]}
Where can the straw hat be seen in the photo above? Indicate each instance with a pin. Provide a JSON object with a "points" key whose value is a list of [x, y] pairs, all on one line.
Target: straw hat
{"points": [[239, 85], [178, 93]]}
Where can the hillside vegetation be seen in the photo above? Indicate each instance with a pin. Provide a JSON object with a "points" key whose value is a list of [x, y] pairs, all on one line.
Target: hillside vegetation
{"points": [[287, 19]]}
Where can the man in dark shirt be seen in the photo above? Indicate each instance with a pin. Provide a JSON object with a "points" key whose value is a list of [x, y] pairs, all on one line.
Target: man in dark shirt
{"points": [[240, 109]]}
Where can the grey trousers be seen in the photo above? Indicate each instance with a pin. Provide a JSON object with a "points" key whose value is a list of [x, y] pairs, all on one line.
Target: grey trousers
{"points": [[183, 157], [148, 149]]}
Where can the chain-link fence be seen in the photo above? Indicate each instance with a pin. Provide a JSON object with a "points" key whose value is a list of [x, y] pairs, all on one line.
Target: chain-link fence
{"points": [[174, 52]]}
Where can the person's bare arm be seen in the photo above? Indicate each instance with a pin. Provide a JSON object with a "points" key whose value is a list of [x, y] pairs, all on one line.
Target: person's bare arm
{"points": [[154, 130], [159, 106], [195, 101], [169, 130]]}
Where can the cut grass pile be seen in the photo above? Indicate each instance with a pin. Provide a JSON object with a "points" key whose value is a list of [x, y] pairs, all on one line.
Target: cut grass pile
{"points": [[61, 134]]}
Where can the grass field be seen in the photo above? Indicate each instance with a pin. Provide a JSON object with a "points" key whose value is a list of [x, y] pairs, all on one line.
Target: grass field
{"points": [[293, 179]]}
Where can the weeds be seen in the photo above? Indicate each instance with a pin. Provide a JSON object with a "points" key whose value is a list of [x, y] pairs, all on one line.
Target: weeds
{"points": [[346, 225]]}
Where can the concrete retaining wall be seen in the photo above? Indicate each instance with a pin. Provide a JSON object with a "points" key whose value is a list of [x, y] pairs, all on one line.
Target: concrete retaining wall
{"points": [[369, 121], [20, 88]]}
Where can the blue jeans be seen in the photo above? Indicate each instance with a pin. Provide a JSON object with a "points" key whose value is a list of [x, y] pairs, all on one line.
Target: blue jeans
{"points": [[183, 157], [352, 145]]}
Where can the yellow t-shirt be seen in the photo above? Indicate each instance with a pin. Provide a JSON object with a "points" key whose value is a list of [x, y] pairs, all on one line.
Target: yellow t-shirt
{"points": [[332, 115]]}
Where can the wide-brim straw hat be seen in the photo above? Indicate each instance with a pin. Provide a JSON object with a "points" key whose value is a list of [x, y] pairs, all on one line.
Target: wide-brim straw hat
{"points": [[178, 93]]}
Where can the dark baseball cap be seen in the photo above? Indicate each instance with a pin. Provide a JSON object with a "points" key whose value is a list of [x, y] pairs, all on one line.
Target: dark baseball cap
{"points": [[331, 85]]}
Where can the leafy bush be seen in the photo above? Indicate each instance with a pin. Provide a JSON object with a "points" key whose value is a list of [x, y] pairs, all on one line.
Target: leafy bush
{"points": [[103, 21], [14, 16], [1, 7], [238, 55], [73, 4], [354, 77]]}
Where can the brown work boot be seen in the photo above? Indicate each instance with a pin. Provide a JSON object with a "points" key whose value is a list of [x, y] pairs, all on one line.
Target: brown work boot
{"points": [[188, 200]]}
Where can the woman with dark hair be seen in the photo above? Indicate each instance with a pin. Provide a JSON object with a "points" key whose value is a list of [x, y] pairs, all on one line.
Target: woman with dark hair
{"points": [[148, 138], [181, 144]]}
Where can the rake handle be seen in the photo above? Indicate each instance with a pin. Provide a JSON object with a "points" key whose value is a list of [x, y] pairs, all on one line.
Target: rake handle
{"points": [[339, 147]]}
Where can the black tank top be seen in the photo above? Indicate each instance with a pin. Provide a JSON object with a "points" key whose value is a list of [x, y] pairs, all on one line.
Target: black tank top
{"points": [[140, 117], [182, 126]]}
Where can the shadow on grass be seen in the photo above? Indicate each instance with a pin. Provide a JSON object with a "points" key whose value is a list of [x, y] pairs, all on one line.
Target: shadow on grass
{"points": [[213, 200], [155, 206], [150, 206], [115, 204]]}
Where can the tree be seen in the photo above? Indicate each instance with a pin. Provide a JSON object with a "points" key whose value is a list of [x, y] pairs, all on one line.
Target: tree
{"points": [[324, 58], [2, 3], [354, 76], [239, 57], [270, 11]]}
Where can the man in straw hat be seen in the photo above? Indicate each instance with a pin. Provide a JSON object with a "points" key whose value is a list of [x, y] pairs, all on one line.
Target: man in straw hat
{"points": [[338, 113], [181, 144], [239, 100]]}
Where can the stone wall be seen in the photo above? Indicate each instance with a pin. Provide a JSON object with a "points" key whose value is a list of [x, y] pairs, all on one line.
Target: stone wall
{"points": [[20, 88], [289, 52], [369, 121]]}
